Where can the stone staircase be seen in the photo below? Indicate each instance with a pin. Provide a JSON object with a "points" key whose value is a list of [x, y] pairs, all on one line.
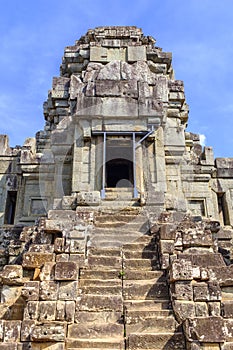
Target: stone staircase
{"points": [[123, 295], [149, 320], [114, 230]]}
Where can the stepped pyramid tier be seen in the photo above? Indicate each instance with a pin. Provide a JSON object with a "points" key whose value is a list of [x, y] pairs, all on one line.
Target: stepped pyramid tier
{"points": [[116, 224]]}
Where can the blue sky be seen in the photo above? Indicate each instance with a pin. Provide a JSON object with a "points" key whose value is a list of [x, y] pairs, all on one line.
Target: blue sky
{"points": [[199, 33]]}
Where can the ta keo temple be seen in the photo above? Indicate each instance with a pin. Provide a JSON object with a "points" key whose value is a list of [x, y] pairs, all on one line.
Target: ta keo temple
{"points": [[116, 224]]}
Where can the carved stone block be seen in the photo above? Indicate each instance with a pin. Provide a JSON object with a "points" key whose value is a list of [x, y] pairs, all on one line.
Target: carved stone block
{"points": [[47, 310], [181, 270], [205, 329], [30, 290], [26, 330], [200, 292], [48, 290], [33, 260], [31, 310], [182, 291], [12, 331], [66, 271], [53, 331], [68, 291]]}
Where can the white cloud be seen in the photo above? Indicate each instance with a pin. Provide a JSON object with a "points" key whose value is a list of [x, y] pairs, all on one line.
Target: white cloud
{"points": [[202, 139]]}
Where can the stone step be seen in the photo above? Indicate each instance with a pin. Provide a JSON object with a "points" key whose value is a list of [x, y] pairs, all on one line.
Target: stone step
{"points": [[158, 276], [140, 315], [93, 302], [168, 341], [106, 343], [100, 283], [145, 290], [95, 331], [116, 217], [146, 305], [118, 189], [99, 274], [153, 324], [98, 317], [106, 241], [139, 246], [115, 235], [118, 204], [101, 290], [104, 252], [119, 224], [107, 261], [141, 264], [145, 254]]}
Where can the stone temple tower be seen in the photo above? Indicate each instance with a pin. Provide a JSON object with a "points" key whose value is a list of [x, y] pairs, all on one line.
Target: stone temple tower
{"points": [[116, 224]]}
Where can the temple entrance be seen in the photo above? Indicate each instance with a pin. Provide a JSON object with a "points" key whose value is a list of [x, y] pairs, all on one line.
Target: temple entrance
{"points": [[119, 162], [119, 173]]}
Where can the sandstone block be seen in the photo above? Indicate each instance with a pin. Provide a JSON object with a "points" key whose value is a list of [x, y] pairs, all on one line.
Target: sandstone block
{"points": [[214, 308], [77, 246], [8, 346], [197, 238], [68, 291], [48, 271], [93, 331], [168, 231], [184, 309], [166, 246], [205, 329], [62, 257], [31, 311], [10, 293], [214, 291], [48, 290], [84, 317], [181, 270], [227, 309], [34, 260], [60, 310], [45, 346], [30, 290], [47, 310], [12, 331], [12, 275], [46, 332], [162, 341], [65, 271], [61, 215], [69, 311], [149, 290], [59, 245], [136, 53], [200, 292], [164, 261], [26, 329], [227, 293], [41, 248], [99, 303], [182, 291], [201, 309], [88, 198], [228, 326]]}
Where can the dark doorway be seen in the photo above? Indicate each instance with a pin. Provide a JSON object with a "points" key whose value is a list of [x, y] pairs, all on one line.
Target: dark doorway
{"points": [[10, 207], [119, 173], [223, 209]]}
